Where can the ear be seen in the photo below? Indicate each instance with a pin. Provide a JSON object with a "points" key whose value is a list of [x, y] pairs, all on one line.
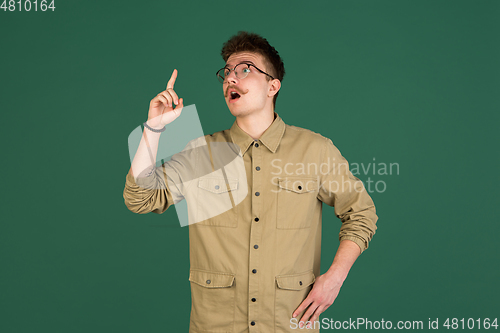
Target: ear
{"points": [[274, 87]]}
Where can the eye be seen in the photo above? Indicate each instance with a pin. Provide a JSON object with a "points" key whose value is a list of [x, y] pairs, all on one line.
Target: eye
{"points": [[246, 70]]}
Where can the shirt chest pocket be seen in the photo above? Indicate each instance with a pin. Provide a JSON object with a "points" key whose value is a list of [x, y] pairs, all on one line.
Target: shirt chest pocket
{"points": [[297, 201], [216, 203]]}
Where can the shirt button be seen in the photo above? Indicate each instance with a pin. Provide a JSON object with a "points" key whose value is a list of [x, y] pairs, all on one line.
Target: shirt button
{"points": [[257, 193], [208, 281], [216, 187], [300, 282], [256, 145], [254, 299], [254, 271], [257, 168], [256, 246], [252, 323], [256, 219]]}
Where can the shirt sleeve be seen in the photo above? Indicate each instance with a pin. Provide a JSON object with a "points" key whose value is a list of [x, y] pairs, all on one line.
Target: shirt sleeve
{"points": [[157, 188], [340, 189], [147, 194]]}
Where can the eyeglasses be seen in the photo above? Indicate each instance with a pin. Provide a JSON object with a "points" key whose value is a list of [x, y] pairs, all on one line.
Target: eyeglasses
{"points": [[240, 70]]}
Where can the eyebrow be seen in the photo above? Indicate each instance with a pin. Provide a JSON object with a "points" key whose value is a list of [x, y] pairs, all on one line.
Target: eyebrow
{"points": [[243, 62]]}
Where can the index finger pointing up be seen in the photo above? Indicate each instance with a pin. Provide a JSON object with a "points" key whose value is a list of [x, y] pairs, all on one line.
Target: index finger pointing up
{"points": [[170, 83]]}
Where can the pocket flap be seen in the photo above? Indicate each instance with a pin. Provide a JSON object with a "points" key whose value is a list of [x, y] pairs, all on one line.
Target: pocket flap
{"points": [[217, 185], [298, 184], [295, 281], [211, 279]]}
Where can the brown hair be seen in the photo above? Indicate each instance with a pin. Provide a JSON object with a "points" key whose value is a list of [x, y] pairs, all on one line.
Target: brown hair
{"points": [[251, 42]]}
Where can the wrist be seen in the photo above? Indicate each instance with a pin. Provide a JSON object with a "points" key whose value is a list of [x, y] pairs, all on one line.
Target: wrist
{"points": [[337, 273], [156, 128]]}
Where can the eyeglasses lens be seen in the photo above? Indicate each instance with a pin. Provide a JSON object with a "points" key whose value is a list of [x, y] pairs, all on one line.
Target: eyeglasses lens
{"points": [[241, 72]]}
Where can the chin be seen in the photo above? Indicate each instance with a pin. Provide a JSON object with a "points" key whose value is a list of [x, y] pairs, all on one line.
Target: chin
{"points": [[235, 111], [241, 110]]}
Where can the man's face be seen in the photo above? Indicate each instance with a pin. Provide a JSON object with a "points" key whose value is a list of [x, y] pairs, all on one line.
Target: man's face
{"points": [[253, 90]]}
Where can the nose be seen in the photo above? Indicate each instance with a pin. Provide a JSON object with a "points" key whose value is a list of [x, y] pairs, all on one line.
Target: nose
{"points": [[231, 78]]}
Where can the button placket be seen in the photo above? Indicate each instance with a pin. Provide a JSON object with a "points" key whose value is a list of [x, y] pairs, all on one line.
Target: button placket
{"points": [[255, 236]]}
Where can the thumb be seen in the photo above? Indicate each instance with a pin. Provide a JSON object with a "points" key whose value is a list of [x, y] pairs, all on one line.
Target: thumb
{"points": [[178, 108], [169, 116]]}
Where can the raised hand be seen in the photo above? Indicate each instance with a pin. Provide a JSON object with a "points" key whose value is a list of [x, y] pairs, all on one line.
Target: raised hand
{"points": [[161, 108]]}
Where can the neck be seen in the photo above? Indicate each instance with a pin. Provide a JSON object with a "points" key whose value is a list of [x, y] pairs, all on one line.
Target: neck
{"points": [[256, 123]]}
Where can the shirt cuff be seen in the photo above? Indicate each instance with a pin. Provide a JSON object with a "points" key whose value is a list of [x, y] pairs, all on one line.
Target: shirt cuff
{"points": [[356, 240], [147, 183], [130, 179]]}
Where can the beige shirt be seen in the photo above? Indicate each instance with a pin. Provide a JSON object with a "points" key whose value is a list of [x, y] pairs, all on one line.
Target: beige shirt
{"points": [[252, 265]]}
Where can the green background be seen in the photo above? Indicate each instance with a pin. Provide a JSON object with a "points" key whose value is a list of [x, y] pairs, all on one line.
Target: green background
{"points": [[408, 82]]}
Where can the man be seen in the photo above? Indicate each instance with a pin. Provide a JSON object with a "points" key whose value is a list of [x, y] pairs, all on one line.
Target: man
{"points": [[256, 267]]}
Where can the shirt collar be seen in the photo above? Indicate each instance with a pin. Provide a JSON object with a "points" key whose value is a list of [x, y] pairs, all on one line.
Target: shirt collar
{"points": [[271, 137]]}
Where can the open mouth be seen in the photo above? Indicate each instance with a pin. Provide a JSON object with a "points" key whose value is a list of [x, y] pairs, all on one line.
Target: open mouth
{"points": [[234, 96]]}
